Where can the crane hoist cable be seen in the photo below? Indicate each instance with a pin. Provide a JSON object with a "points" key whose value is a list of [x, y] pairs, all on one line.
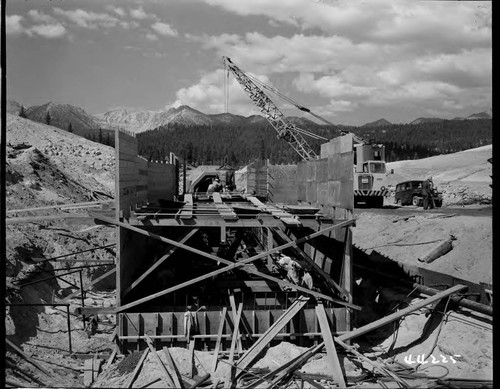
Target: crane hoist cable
{"points": [[285, 129], [271, 89]]}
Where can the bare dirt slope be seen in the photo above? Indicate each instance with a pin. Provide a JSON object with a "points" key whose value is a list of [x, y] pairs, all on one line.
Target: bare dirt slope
{"points": [[463, 177], [47, 166], [405, 238]]}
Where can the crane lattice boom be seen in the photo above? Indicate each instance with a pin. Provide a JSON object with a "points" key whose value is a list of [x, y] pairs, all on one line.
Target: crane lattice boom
{"points": [[286, 130]]}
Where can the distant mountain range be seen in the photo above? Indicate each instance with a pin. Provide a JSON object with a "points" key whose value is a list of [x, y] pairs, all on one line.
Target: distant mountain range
{"points": [[378, 123], [82, 123]]}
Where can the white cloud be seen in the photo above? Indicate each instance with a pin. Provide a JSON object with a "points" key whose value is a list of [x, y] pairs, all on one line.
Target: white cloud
{"points": [[164, 29], [208, 95], [13, 25], [152, 37], [139, 13], [48, 30], [422, 22], [87, 19], [54, 30], [118, 10], [40, 17]]}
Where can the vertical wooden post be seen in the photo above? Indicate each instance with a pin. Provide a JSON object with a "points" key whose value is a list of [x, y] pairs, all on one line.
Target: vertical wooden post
{"points": [[270, 242], [347, 274]]}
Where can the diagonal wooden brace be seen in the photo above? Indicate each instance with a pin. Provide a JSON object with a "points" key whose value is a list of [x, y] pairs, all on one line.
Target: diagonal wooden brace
{"points": [[254, 351], [153, 267], [231, 265], [310, 261]]}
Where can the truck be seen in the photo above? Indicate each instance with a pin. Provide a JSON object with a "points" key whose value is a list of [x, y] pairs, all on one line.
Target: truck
{"points": [[370, 175]]}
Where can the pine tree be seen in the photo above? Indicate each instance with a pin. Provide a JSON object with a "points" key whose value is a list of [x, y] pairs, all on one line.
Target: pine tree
{"points": [[22, 112], [70, 127], [100, 135], [48, 119]]}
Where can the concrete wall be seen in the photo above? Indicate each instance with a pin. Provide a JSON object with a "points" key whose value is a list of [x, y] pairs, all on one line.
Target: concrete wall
{"points": [[137, 181], [282, 183], [161, 181], [329, 181]]}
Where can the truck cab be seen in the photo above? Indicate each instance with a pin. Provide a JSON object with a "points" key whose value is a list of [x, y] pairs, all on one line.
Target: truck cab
{"points": [[370, 174]]}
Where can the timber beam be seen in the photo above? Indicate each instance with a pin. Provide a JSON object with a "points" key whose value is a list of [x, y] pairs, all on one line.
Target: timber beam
{"points": [[167, 255], [230, 264]]}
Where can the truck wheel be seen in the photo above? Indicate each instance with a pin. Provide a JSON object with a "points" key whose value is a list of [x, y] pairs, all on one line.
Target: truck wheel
{"points": [[415, 201]]}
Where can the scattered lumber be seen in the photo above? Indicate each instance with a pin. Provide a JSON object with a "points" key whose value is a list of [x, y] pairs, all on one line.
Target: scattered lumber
{"points": [[313, 383], [26, 357], [163, 369], [333, 359], [219, 339], [151, 383], [175, 373], [287, 368], [88, 376], [200, 380], [112, 356], [137, 368], [396, 315], [380, 368], [252, 353], [98, 279], [229, 378]]}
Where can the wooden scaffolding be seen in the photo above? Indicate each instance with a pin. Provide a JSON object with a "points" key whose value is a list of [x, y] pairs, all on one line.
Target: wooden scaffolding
{"points": [[203, 267]]}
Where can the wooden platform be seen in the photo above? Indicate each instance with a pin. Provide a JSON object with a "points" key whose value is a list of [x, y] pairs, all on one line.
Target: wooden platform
{"points": [[224, 209]]}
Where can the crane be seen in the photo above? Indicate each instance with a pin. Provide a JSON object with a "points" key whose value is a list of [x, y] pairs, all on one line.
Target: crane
{"points": [[370, 184], [285, 129]]}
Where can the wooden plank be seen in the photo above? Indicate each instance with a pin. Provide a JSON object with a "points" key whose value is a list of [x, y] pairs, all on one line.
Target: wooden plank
{"points": [[276, 212], [25, 356], [285, 369], [225, 211], [200, 380], [219, 339], [230, 374], [232, 302], [231, 265], [396, 315], [172, 250], [96, 367], [112, 356], [333, 359], [87, 372], [186, 212], [163, 369], [379, 367], [137, 369], [98, 279], [347, 273], [273, 330], [191, 357], [175, 372]]}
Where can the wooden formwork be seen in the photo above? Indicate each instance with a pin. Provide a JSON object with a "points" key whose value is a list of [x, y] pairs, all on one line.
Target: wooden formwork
{"points": [[198, 257]]}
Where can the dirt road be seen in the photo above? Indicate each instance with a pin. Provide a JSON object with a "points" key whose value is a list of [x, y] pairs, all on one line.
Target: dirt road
{"points": [[456, 210]]}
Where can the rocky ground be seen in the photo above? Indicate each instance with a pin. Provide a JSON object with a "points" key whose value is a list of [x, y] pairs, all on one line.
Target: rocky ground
{"points": [[47, 166]]}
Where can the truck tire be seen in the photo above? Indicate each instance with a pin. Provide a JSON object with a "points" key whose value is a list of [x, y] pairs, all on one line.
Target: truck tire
{"points": [[415, 201]]}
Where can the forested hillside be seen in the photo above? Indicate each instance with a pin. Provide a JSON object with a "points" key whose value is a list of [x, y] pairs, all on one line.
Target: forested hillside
{"points": [[240, 144]]}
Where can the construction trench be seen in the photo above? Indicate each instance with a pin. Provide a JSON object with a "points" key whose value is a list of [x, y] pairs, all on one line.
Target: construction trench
{"points": [[202, 273]]}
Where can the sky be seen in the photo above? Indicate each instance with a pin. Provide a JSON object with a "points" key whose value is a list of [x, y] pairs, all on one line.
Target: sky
{"points": [[349, 61]]}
